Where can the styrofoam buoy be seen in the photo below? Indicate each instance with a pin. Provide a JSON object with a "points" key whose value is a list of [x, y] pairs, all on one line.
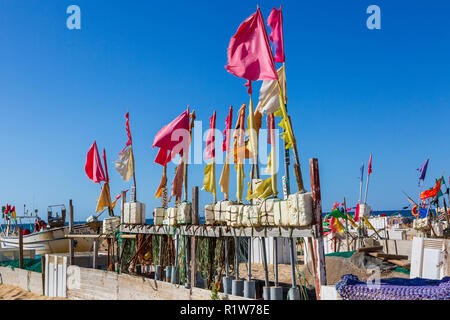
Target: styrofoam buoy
{"points": [[249, 289], [266, 293], [157, 273], [168, 273], [174, 278], [276, 293], [226, 282], [294, 293], [237, 288]]}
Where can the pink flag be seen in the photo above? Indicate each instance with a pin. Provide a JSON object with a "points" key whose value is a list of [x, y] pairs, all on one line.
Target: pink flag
{"points": [[249, 54], [370, 165], [175, 134], [227, 131], [93, 167], [210, 150], [275, 21], [356, 219]]}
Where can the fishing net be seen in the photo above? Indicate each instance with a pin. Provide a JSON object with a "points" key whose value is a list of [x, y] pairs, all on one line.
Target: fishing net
{"points": [[351, 288], [28, 264], [210, 259]]}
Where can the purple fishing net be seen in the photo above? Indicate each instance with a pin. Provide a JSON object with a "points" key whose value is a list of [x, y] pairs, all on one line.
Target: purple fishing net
{"points": [[351, 288]]}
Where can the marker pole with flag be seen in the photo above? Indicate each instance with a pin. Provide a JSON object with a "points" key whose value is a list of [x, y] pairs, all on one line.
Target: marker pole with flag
{"points": [[369, 171], [110, 209], [256, 64]]}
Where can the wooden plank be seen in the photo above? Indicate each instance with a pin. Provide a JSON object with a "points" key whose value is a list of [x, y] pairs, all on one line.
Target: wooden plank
{"points": [[402, 263], [220, 231], [388, 256], [370, 249]]}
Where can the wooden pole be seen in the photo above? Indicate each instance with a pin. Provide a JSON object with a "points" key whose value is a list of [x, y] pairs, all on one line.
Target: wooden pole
{"points": [[195, 221], [19, 229], [297, 168], [43, 273], [367, 188], [71, 241], [346, 226], [319, 271]]}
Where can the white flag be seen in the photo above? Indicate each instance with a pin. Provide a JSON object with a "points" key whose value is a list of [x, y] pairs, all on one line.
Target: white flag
{"points": [[125, 164], [268, 95]]}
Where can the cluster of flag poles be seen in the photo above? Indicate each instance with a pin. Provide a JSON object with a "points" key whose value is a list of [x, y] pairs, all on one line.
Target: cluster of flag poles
{"points": [[124, 166], [249, 57], [9, 212], [340, 213]]}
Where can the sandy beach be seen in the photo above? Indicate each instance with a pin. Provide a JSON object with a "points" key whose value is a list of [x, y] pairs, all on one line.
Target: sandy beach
{"points": [[9, 292]]}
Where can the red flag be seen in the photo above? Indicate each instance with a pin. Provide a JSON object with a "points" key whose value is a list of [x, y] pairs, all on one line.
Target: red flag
{"points": [[275, 21], [210, 150], [431, 192], [370, 165], [106, 166], [93, 167], [227, 131], [249, 54], [163, 138], [162, 157], [127, 127]]}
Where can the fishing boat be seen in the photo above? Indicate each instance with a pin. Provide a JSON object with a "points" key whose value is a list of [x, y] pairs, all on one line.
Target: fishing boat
{"points": [[49, 239]]}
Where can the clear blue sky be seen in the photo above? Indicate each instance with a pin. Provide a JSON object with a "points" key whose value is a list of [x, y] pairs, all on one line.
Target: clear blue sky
{"points": [[352, 92]]}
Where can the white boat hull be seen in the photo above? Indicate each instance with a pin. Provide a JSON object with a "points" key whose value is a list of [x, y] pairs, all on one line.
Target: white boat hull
{"points": [[47, 241]]}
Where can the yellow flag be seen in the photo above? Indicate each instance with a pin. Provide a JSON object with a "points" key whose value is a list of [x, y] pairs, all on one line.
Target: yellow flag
{"points": [[263, 190], [209, 182], [352, 222], [162, 184], [367, 223], [105, 198], [287, 135], [339, 226], [224, 181], [239, 181]]}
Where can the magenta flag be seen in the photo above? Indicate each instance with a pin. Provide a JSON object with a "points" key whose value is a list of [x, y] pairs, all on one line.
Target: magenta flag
{"points": [[356, 219], [166, 139], [227, 131], [370, 166], [275, 22], [93, 167], [210, 150], [249, 54]]}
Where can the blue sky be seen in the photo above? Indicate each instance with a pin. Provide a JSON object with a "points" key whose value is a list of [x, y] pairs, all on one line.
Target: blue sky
{"points": [[352, 91]]}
